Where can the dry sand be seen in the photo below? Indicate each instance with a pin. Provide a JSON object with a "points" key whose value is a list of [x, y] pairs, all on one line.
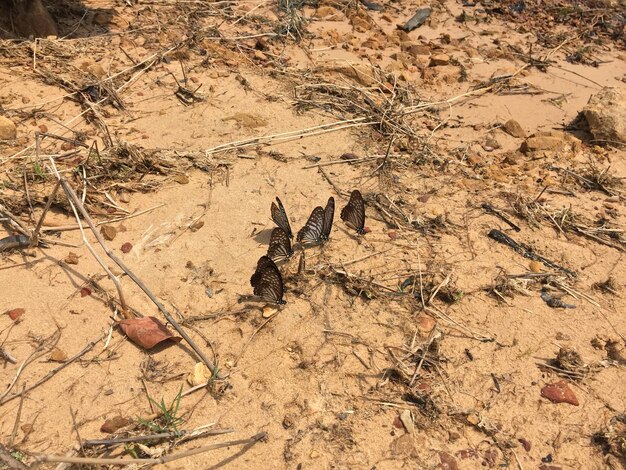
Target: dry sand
{"points": [[328, 376]]}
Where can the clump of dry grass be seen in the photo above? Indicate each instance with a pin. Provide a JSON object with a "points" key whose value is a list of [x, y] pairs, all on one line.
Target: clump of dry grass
{"points": [[612, 439]]}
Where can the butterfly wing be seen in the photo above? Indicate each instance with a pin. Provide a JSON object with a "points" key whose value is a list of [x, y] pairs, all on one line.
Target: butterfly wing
{"points": [[313, 230], [354, 212], [279, 216], [280, 246], [267, 281], [329, 215]]}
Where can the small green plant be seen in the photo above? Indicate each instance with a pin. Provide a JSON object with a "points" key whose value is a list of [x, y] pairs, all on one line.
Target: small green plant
{"points": [[17, 455], [168, 419], [39, 170]]}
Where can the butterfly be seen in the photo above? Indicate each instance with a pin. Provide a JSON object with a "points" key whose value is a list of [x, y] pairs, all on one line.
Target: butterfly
{"points": [[267, 281], [279, 216], [280, 246], [317, 228], [354, 212]]}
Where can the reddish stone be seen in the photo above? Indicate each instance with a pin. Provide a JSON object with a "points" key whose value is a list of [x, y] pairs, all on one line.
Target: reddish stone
{"points": [[559, 392]]}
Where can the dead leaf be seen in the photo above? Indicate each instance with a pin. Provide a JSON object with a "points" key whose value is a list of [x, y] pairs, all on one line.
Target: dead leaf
{"points": [[147, 332], [126, 247], [196, 226], [113, 424], [15, 313], [58, 355]]}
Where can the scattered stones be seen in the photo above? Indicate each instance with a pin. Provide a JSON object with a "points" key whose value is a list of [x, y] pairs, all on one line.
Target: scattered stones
{"points": [[71, 258], [606, 115], [447, 462], [199, 375], [108, 232], [8, 130], [513, 128], [407, 421], [181, 178], [559, 392], [544, 141], [416, 20], [269, 311], [328, 13], [403, 446], [58, 355], [425, 324], [439, 59], [15, 314]]}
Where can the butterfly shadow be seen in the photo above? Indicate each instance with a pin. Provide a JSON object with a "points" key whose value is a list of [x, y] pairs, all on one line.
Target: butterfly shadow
{"points": [[263, 237]]}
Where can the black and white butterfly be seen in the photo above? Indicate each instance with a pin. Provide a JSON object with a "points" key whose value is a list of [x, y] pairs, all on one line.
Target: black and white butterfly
{"points": [[267, 281], [279, 216], [317, 228], [354, 212], [280, 246]]}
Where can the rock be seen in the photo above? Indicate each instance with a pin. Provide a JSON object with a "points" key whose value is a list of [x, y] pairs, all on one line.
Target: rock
{"points": [[491, 144], [559, 392], [15, 313], [199, 375], [108, 232], [260, 55], [425, 324], [606, 114], [416, 49], [535, 266], [8, 131], [447, 462], [71, 258], [543, 142], [407, 421], [58, 355], [513, 128], [439, 59], [403, 446], [328, 13]]}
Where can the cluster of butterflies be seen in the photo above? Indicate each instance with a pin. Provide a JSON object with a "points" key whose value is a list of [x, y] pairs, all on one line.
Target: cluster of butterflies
{"points": [[267, 282]]}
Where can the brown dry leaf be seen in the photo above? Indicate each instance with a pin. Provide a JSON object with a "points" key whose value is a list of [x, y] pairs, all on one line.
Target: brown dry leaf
{"points": [[113, 424], [15, 313], [196, 226], [147, 332], [58, 355]]}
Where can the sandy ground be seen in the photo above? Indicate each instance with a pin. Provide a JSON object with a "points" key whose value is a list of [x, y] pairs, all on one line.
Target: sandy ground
{"points": [[400, 322]]}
